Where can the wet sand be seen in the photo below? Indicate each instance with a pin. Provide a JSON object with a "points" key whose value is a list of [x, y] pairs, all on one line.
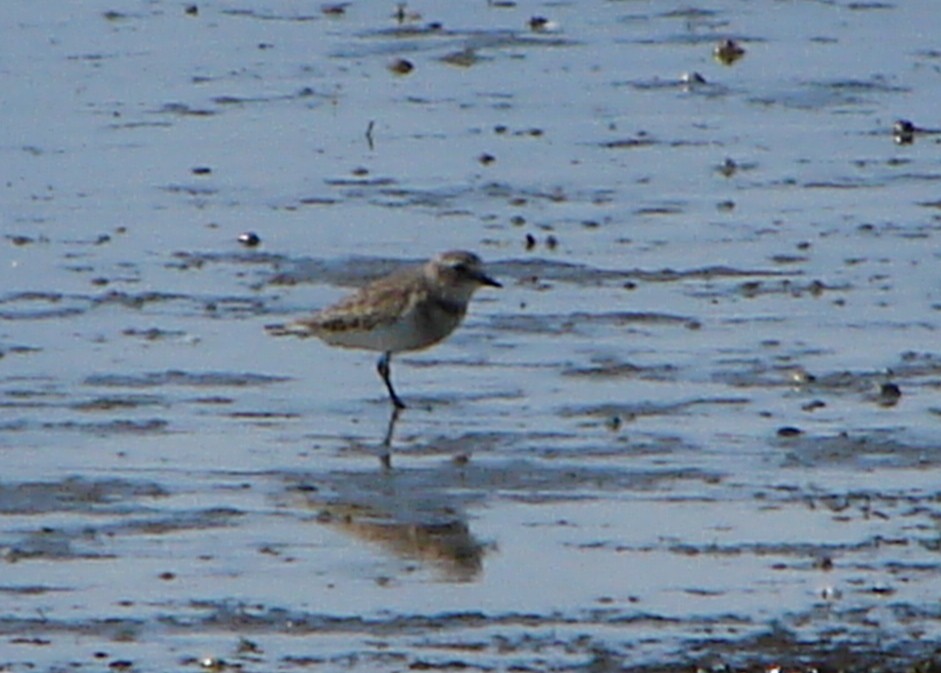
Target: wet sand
{"points": [[696, 430]]}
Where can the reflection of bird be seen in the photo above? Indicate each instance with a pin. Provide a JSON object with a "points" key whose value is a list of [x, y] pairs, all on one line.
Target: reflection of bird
{"points": [[441, 538], [408, 310]]}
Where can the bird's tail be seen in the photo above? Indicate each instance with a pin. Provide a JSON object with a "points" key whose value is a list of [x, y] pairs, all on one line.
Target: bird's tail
{"points": [[289, 329]]}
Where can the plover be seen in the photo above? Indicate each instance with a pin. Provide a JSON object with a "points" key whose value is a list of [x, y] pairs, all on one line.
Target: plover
{"points": [[408, 310]]}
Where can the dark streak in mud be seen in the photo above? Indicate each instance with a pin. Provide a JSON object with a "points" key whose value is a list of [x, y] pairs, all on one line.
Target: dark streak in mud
{"points": [[181, 378]]}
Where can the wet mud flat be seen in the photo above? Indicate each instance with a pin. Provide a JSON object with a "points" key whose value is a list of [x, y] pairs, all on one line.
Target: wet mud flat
{"points": [[633, 531], [696, 430]]}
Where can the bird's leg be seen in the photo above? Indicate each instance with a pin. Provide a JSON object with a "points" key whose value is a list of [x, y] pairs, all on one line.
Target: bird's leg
{"points": [[384, 369]]}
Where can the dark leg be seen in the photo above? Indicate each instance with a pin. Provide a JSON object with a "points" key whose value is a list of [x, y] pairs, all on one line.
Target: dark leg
{"points": [[383, 368]]}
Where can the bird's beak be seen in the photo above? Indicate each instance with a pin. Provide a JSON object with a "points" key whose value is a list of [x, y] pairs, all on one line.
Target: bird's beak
{"points": [[484, 279]]}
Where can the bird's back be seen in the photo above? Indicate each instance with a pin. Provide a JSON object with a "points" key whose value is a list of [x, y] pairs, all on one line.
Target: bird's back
{"points": [[392, 314]]}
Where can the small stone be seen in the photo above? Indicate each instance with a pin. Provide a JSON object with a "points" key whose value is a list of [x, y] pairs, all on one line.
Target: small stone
{"points": [[212, 663], [903, 132], [728, 52], [728, 168], [889, 394], [249, 239], [538, 24], [401, 66], [801, 376], [246, 646]]}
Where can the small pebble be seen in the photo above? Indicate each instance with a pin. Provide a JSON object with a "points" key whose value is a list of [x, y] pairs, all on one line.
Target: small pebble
{"points": [[249, 239], [728, 168], [801, 376], [903, 132], [530, 241], [212, 663], [551, 242], [728, 52], [889, 394], [538, 23], [192, 10], [486, 159], [248, 646], [464, 58], [201, 170], [401, 66], [830, 594], [789, 431]]}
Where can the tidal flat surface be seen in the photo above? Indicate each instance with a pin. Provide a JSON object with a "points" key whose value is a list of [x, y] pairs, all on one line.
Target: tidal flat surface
{"points": [[697, 428]]}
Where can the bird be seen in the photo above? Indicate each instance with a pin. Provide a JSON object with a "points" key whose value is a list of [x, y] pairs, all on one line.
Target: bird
{"points": [[408, 310]]}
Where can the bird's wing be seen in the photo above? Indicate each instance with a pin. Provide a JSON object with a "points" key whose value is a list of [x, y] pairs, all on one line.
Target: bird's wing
{"points": [[380, 303]]}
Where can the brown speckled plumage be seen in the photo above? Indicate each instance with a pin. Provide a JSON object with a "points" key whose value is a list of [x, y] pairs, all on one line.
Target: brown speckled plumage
{"points": [[411, 309]]}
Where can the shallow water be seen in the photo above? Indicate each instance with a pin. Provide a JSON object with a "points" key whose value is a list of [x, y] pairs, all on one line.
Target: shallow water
{"points": [[672, 439]]}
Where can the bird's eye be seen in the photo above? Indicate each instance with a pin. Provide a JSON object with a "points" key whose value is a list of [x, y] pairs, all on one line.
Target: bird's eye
{"points": [[460, 268]]}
